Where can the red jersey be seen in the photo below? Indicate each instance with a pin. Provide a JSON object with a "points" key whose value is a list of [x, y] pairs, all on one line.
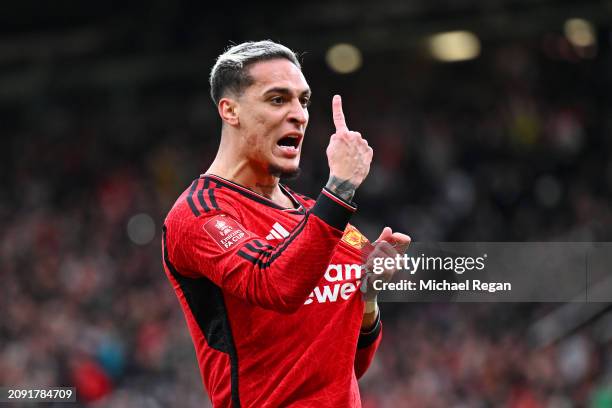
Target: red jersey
{"points": [[271, 295]]}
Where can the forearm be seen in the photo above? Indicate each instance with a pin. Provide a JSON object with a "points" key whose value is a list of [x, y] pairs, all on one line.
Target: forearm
{"points": [[368, 343], [282, 277]]}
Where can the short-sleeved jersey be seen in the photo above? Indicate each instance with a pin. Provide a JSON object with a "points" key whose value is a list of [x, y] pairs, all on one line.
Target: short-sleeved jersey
{"points": [[271, 295]]}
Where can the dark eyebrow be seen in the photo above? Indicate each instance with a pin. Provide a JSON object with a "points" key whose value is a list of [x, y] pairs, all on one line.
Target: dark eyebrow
{"points": [[286, 91]]}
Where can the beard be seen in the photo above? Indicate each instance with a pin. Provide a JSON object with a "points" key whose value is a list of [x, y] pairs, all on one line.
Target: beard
{"points": [[284, 174]]}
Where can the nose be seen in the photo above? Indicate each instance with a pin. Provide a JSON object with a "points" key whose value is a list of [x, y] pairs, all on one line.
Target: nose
{"points": [[298, 113]]}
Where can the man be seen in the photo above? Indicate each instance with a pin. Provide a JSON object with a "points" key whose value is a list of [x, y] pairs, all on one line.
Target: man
{"points": [[269, 279]]}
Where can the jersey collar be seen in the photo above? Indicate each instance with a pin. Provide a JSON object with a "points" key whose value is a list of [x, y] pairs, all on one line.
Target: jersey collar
{"points": [[255, 196]]}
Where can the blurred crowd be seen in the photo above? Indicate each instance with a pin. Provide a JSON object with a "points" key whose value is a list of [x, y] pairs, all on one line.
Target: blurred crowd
{"points": [[479, 355], [514, 146]]}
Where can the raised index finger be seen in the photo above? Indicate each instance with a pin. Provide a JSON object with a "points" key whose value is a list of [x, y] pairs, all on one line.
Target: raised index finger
{"points": [[337, 113]]}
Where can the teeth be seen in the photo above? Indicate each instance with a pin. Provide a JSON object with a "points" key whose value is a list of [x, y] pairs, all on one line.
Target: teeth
{"points": [[288, 141]]}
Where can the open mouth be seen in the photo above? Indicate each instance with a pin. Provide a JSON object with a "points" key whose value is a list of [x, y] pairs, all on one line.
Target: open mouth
{"points": [[289, 141]]}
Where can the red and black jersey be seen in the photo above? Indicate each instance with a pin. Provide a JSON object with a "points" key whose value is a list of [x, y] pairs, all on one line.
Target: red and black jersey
{"points": [[270, 294]]}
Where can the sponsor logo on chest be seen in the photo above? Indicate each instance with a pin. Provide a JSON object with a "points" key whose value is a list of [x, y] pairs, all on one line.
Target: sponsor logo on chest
{"points": [[341, 282]]}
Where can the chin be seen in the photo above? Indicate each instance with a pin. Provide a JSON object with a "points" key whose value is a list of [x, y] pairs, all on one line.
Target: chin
{"points": [[284, 172]]}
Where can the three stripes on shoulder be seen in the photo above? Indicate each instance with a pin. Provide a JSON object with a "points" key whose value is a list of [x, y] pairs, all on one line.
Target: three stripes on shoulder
{"points": [[277, 232]]}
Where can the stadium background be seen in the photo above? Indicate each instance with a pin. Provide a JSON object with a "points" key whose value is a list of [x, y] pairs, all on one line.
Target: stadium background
{"points": [[105, 118]]}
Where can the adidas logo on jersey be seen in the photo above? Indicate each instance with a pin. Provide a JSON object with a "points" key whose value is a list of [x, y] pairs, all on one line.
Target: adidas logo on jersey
{"points": [[277, 232]]}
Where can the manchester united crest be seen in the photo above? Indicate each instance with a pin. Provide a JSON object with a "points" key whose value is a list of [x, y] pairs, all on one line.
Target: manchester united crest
{"points": [[354, 238]]}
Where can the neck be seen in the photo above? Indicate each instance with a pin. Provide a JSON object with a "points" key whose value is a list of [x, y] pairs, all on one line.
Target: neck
{"points": [[241, 173]]}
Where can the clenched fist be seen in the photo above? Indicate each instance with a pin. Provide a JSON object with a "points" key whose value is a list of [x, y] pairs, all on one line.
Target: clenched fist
{"points": [[348, 155]]}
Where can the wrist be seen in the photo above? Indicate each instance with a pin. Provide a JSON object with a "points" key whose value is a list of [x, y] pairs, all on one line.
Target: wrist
{"points": [[343, 188], [370, 307], [370, 316]]}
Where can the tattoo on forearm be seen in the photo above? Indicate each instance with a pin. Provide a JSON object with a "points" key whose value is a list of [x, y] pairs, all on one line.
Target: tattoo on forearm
{"points": [[343, 188]]}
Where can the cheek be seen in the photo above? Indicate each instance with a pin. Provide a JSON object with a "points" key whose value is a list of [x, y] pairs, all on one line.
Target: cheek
{"points": [[264, 130], [255, 127], [261, 126], [257, 144]]}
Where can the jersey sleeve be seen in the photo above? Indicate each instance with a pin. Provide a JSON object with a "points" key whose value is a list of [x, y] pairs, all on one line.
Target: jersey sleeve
{"points": [[280, 277], [366, 348]]}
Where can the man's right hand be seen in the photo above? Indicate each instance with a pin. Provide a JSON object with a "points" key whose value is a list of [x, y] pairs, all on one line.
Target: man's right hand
{"points": [[348, 155]]}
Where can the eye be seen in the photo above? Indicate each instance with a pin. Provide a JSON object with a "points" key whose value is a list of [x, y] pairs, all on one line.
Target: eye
{"points": [[305, 101], [277, 100]]}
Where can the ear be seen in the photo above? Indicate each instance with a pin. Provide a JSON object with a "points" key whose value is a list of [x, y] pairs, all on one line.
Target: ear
{"points": [[228, 110]]}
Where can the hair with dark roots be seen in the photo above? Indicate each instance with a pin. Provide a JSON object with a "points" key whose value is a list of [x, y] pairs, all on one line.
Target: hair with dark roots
{"points": [[230, 72]]}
